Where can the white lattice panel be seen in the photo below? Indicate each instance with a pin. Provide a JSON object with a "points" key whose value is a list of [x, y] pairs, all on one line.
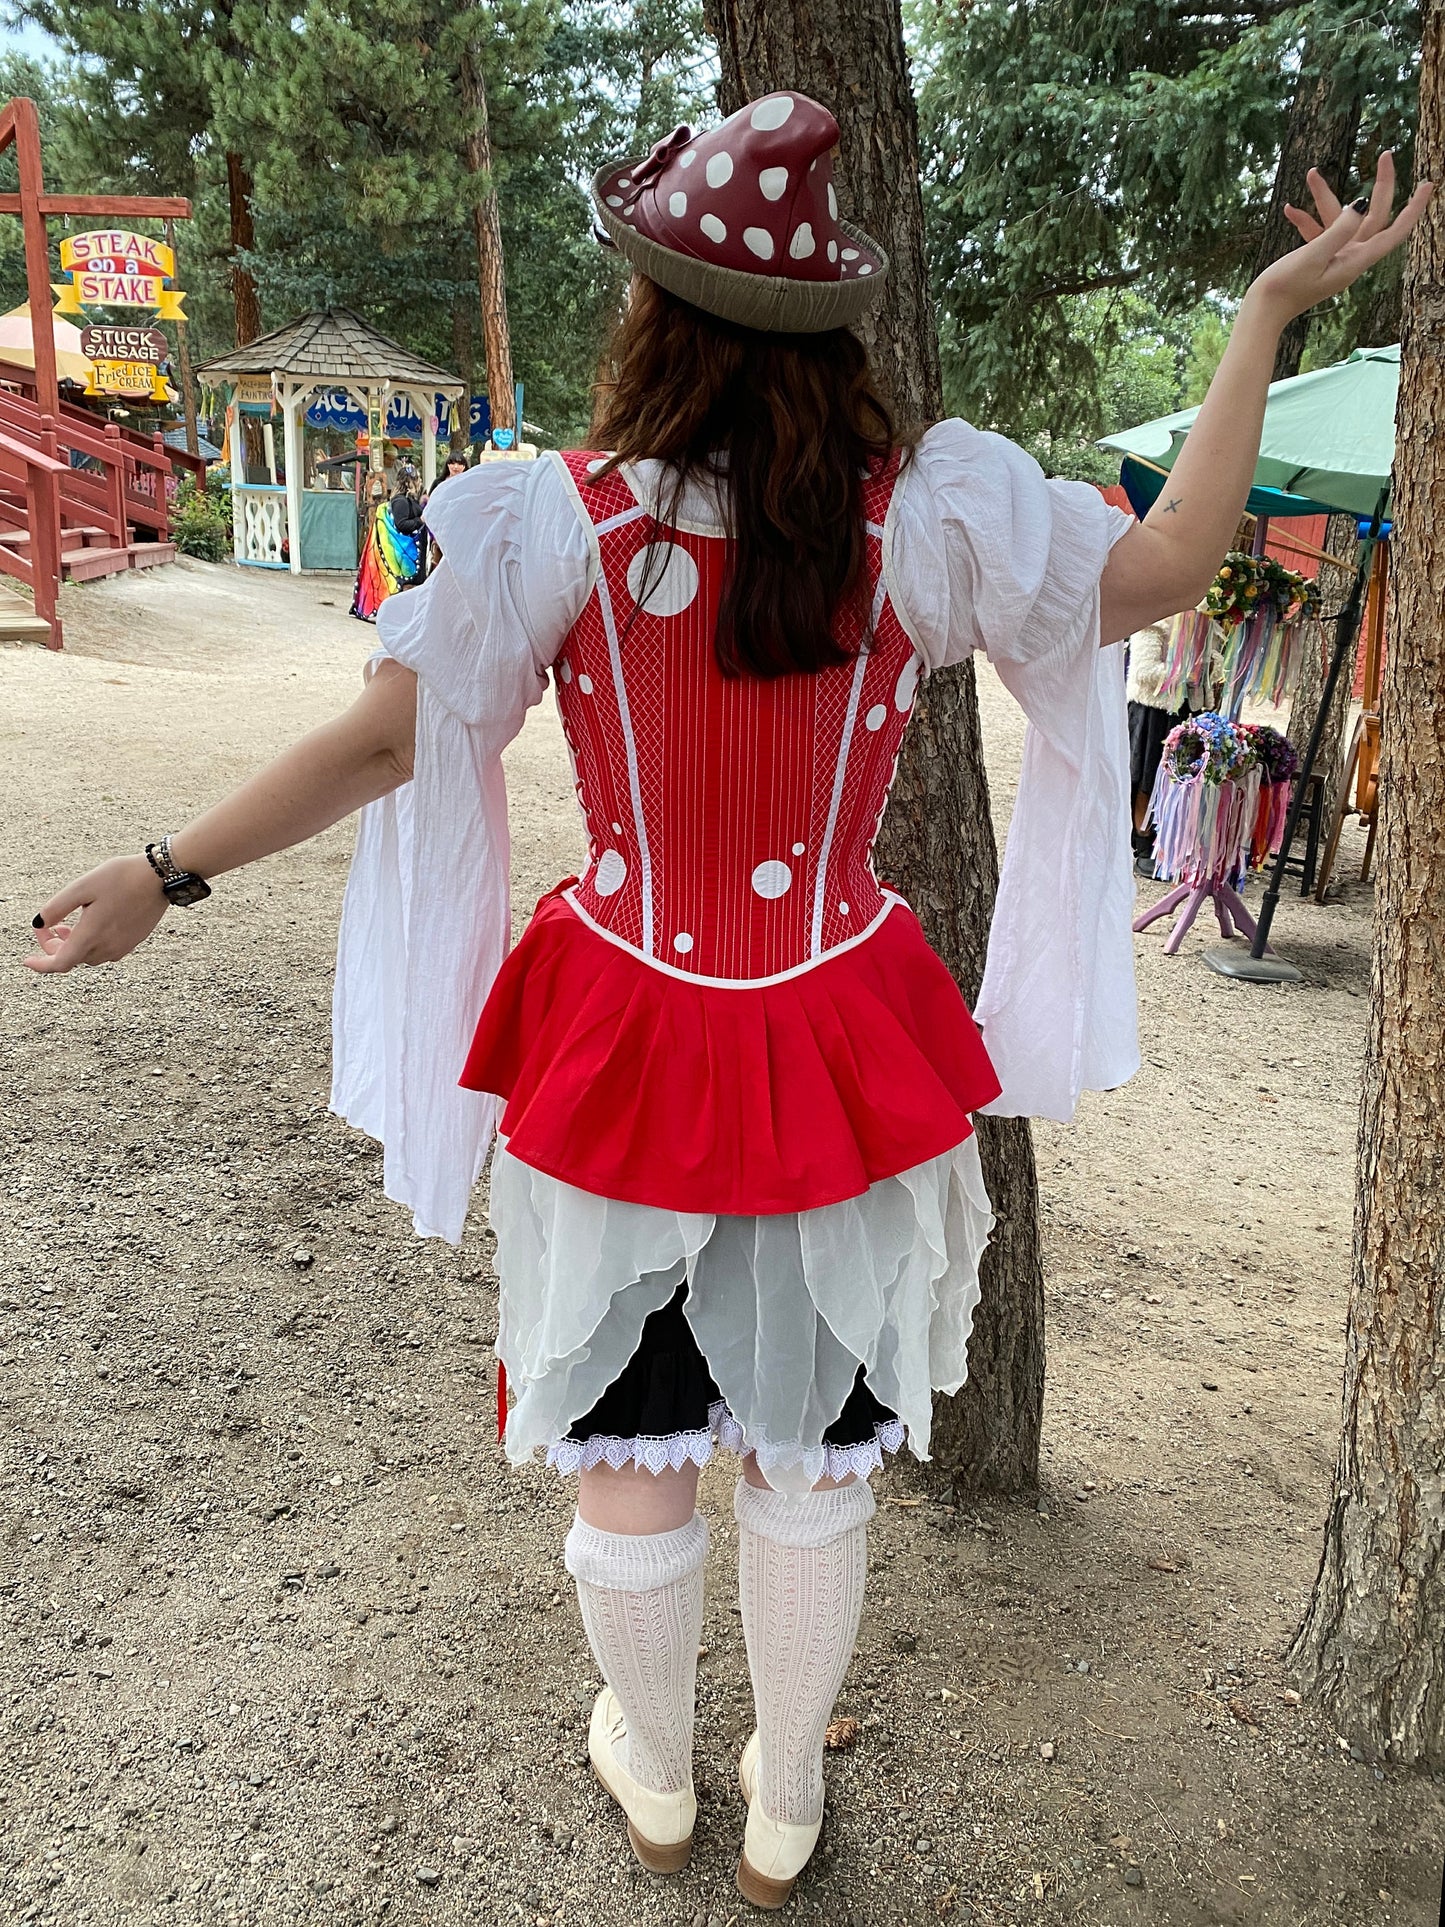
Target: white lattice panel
{"points": [[263, 525]]}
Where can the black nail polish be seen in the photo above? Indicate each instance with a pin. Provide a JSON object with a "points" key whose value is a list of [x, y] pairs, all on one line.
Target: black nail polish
{"points": [[1362, 206], [37, 923]]}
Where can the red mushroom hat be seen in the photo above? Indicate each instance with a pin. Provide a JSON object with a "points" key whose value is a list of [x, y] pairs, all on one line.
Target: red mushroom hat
{"points": [[743, 220]]}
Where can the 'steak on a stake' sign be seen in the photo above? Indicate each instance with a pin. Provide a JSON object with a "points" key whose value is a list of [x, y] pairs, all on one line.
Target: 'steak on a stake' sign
{"points": [[112, 268]]}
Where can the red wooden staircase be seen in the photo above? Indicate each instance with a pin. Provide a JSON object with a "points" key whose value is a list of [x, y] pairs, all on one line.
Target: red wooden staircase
{"points": [[79, 498]]}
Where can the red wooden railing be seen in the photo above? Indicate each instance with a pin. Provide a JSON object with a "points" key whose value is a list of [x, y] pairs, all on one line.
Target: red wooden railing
{"points": [[39, 471]]}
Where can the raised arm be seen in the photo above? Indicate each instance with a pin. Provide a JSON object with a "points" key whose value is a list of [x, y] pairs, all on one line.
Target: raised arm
{"points": [[1169, 560], [359, 756]]}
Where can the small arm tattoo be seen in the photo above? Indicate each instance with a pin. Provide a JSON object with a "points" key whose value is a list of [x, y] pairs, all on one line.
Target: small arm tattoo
{"points": [[1172, 504]]}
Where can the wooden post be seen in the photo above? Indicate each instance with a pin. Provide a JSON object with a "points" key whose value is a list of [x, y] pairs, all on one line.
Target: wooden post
{"points": [[183, 356], [37, 254], [427, 403], [238, 477], [292, 396]]}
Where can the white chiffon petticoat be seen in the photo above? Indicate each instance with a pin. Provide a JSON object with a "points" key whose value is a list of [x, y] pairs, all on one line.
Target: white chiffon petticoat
{"points": [[784, 1309]]}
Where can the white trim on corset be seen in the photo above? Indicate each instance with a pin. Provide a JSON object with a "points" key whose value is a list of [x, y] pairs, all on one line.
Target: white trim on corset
{"points": [[890, 899], [850, 721], [634, 780]]}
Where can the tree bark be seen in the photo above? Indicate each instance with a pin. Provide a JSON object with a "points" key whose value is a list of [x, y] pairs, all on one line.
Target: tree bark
{"points": [[465, 364], [937, 843], [1320, 132], [1340, 540], [487, 234], [1370, 1645], [243, 239]]}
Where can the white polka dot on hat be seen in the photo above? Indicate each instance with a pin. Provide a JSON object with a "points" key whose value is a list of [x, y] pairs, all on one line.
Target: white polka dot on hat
{"points": [[754, 194]]}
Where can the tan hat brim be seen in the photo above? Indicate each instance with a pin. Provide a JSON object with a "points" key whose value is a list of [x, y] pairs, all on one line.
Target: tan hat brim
{"points": [[769, 302]]}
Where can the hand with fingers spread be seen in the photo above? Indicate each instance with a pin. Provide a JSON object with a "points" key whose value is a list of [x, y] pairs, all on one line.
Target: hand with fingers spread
{"points": [[1340, 245], [120, 903]]}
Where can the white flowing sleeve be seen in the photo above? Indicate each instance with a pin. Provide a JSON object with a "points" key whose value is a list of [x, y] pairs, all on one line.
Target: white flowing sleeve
{"points": [[983, 552], [425, 922]]}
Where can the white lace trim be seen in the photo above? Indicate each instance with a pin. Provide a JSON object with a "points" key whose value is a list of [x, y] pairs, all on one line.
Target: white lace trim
{"points": [[657, 1454]]}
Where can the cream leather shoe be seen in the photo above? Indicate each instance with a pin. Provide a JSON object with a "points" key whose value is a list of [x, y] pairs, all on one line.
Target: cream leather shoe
{"points": [[659, 1825], [773, 1854]]}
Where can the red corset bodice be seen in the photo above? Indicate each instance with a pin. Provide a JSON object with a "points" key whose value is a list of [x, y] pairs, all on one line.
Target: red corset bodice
{"points": [[730, 821]]}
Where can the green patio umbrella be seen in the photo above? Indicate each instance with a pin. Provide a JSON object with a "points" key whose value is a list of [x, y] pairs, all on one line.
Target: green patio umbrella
{"points": [[1329, 435]]}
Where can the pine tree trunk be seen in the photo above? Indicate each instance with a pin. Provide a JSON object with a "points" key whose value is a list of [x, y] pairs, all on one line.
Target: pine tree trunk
{"points": [[937, 843], [464, 362], [243, 238], [1319, 133], [487, 233], [1340, 540], [1371, 1642]]}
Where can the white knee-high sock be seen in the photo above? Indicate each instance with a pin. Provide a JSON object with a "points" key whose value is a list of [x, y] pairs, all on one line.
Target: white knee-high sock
{"points": [[641, 1600], [802, 1564]]}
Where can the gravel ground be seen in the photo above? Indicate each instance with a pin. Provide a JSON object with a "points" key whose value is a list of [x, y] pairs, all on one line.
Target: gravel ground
{"points": [[287, 1641]]}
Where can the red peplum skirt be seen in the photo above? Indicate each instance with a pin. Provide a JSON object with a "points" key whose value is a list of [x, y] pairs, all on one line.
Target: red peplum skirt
{"points": [[636, 1084]]}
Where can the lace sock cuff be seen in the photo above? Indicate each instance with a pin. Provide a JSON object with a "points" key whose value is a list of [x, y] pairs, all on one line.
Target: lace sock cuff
{"points": [[804, 1518], [635, 1561]]}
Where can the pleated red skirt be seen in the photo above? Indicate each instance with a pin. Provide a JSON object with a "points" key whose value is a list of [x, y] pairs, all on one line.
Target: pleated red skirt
{"points": [[638, 1084]]}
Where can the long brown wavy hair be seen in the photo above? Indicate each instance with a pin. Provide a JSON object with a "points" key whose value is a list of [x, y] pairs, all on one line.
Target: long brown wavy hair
{"points": [[787, 427]]}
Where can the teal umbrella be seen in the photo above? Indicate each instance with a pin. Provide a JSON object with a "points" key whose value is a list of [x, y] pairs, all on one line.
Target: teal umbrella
{"points": [[1328, 435]]}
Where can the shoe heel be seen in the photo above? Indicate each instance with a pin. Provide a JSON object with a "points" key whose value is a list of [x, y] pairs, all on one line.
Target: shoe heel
{"points": [[759, 1889], [660, 1859]]}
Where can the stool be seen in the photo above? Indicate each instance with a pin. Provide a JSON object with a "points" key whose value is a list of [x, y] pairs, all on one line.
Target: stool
{"points": [[1312, 821]]}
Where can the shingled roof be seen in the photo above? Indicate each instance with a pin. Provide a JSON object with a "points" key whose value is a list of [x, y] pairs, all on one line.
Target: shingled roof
{"points": [[331, 345]]}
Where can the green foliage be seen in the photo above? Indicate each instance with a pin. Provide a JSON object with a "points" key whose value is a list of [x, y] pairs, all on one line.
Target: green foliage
{"points": [[201, 519], [41, 82], [1070, 149]]}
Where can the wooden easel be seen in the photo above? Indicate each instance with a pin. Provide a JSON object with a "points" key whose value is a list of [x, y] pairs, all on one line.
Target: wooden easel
{"points": [[1358, 791]]}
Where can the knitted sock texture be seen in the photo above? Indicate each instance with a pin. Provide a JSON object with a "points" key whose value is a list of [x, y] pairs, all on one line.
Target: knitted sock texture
{"points": [[641, 1601], [802, 1565]]}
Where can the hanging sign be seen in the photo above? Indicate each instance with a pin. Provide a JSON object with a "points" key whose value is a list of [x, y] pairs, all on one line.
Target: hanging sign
{"points": [[127, 361], [114, 269], [253, 394]]}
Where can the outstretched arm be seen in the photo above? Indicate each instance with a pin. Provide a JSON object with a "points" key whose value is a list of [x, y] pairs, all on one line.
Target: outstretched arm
{"points": [[1169, 560], [352, 760]]}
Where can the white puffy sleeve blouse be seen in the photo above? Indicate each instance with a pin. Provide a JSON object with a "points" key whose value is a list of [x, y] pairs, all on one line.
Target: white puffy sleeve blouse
{"points": [[980, 552]]}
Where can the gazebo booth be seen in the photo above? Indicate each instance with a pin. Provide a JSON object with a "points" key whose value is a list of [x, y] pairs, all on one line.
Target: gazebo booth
{"points": [[326, 371]]}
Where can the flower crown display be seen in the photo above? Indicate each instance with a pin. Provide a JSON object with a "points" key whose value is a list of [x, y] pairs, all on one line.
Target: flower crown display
{"points": [[1246, 636], [1220, 799]]}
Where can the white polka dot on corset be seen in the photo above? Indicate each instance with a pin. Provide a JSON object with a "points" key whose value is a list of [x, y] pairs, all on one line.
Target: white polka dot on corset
{"points": [[773, 181], [677, 205], [713, 228], [597, 463], [772, 879], [907, 684], [803, 243], [865, 267], [564, 670], [876, 717], [719, 170], [662, 578], [832, 250], [682, 942], [611, 873], [760, 241], [799, 849], [772, 113], [614, 200], [842, 909], [584, 683], [850, 254], [687, 159], [832, 201]]}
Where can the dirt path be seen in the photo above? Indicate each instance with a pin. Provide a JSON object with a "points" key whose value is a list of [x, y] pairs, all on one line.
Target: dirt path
{"points": [[286, 1641]]}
